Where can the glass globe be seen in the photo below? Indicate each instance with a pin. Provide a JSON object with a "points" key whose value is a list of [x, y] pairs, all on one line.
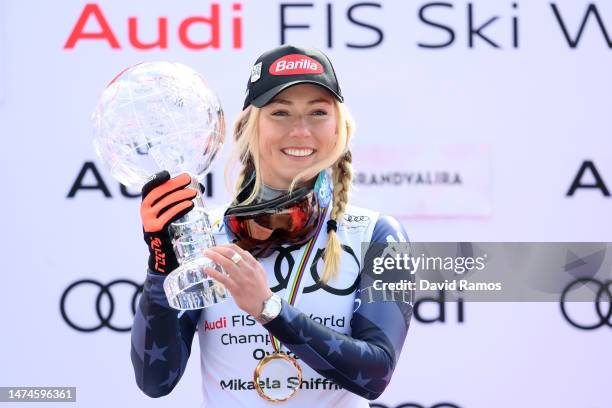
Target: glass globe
{"points": [[157, 116]]}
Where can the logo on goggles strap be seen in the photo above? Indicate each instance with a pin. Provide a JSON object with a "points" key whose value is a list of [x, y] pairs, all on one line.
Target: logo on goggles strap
{"points": [[295, 64], [323, 188]]}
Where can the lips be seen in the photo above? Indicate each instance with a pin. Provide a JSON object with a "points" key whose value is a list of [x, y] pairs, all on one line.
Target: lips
{"points": [[298, 151]]}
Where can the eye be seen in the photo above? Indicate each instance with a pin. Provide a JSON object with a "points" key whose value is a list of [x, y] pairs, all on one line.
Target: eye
{"points": [[280, 113], [319, 112]]}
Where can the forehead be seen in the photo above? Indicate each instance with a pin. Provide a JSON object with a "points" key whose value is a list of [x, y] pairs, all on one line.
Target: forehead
{"points": [[304, 93]]}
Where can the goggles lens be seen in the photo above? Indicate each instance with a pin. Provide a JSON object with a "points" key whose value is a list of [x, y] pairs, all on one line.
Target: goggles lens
{"points": [[260, 232]]}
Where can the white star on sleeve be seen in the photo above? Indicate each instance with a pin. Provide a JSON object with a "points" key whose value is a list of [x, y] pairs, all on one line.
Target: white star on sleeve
{"points": [[361, 381], [334, 346], [363, 348], [156, 353]]}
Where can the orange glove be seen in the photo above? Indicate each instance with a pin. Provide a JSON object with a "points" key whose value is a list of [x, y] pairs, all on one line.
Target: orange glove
{"points": [[164, 200]]}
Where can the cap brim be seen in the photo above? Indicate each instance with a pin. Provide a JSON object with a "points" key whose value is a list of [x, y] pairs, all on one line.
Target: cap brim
{"points": [[267, 96]]}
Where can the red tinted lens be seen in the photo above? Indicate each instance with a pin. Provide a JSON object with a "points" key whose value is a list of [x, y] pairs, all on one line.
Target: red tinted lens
{"points": [[260, 233]]}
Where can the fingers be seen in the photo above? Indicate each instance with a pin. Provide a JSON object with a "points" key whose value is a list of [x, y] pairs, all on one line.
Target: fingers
{"points": [[166, 188], [221, 278], [246, 283], [228, 250], [155, 180], [175, 212], [175, 205], [172, 199], [244, 254], [167, 201], [220, 259]]}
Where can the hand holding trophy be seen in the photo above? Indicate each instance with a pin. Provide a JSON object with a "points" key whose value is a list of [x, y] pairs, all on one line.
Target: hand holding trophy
{"points": [[162, 116]]}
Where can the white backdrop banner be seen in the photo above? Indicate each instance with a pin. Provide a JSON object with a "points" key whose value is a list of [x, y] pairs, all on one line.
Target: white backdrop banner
{"points": [[476, 121]]}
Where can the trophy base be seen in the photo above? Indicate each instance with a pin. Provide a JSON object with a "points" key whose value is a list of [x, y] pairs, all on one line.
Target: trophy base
{"points": [[188, 287]]}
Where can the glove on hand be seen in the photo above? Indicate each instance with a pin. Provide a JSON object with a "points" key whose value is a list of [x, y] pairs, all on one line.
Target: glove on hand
{"points": [[164, 200]]}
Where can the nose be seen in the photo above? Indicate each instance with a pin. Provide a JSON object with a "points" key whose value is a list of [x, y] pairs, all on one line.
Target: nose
{"points": [[300, 127]]}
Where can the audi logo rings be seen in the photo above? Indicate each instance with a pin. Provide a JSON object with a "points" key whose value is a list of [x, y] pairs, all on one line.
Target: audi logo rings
{"points": [[600, 298], [104, 291], [356, 218]]}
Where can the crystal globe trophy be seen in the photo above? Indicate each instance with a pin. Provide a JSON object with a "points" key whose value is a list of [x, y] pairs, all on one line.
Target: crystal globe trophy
{"points": [[162, 116]]}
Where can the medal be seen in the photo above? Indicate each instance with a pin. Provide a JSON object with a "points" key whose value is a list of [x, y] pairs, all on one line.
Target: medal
{"points": [[278, 376]]}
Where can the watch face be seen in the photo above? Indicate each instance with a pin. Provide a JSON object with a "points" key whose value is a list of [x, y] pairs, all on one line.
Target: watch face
{"points": [[276, 306], [273, 307]]}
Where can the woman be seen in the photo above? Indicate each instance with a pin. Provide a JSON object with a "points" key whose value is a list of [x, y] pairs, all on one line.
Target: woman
{"points": [[294, 272]]}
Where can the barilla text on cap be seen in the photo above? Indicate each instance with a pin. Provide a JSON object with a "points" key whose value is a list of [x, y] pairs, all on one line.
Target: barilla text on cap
{"points": [[295, 64]]}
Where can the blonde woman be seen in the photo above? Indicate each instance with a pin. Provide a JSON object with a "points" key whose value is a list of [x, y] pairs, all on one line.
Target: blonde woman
{"points": [[304, 325]]}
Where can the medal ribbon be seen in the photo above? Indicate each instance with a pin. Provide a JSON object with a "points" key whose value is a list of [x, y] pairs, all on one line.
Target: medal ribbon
{"points": [[297, 279]]}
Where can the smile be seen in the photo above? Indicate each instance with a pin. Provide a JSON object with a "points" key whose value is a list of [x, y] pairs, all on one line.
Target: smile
{"points": [[295, 152]]}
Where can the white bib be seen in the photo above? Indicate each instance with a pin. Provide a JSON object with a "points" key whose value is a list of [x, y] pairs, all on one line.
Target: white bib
{"points": [[232, 342]]}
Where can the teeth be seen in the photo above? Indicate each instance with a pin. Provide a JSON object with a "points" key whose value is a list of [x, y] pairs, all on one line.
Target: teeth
{"points": [[298, 152]]}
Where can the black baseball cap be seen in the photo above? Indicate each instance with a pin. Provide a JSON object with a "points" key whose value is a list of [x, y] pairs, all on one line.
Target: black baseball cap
{"points": [[285, 66]]}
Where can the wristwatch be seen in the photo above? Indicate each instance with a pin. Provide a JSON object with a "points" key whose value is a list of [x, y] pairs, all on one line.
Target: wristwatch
{"points": [[271, 309]]}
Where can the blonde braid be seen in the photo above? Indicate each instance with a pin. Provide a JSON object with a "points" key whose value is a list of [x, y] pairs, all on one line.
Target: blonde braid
{"points": [[245, 152], [246, 169], [342, 176]]}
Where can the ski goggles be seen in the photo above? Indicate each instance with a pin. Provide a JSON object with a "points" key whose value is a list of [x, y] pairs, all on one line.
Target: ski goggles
{"points": [[291, 219]]}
